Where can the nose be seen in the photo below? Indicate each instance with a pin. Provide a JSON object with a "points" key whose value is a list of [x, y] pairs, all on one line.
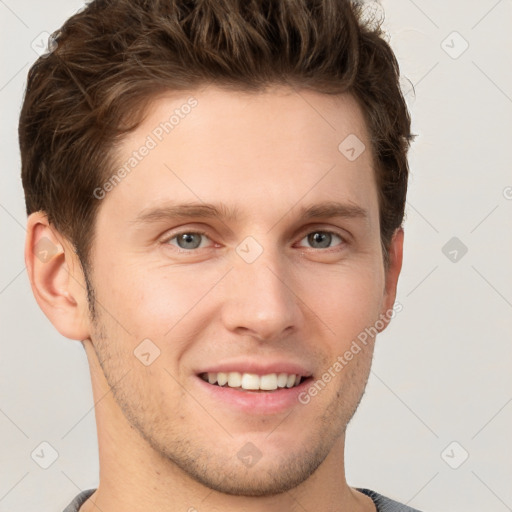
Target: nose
{"points": [[259, 298]]}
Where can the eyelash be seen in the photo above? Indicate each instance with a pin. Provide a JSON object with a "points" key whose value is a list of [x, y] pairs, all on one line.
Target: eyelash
{"points": [[203, 233]]}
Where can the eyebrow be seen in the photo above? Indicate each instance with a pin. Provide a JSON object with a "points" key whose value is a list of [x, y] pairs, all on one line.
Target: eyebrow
{"points": [[328, 209]]}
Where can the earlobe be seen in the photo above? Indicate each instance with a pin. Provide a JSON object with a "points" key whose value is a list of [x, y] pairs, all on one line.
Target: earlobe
{"points": [[56, 278]]}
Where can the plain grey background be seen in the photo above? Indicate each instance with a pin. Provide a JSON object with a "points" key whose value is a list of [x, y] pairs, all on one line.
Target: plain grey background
{"points": [[433, 429]]}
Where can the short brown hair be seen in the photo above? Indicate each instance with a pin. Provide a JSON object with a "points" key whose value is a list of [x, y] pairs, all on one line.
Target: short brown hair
{"points": [[116, 55]]}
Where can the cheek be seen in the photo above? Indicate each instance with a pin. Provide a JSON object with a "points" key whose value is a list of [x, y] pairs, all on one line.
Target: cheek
{"points": [[151, 301], [345, 299]]}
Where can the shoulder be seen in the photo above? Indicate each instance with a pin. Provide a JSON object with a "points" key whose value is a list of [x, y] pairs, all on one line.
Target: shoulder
{"points": [[384, 504], [79, 500]]}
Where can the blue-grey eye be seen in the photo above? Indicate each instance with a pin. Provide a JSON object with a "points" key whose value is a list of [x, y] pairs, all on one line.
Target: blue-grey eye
{"points": [[321, 239], [188, 240]]}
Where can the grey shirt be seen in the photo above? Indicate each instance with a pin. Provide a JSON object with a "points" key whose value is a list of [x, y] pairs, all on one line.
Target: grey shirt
{"points": [[382, 503]]}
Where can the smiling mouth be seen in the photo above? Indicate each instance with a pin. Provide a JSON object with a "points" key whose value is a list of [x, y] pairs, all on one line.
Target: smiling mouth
{"points": [[252, 382]]}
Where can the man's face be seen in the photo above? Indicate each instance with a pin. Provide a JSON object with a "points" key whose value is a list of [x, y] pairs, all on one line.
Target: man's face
{"points": [[264, 287]]}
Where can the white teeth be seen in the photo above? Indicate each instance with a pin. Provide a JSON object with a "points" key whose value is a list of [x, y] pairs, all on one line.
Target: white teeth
{"points": [[251, 381], [282, 379], [268, 382], [234, 379], [291, 381]]}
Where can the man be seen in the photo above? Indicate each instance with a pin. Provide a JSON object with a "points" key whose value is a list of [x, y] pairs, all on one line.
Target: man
{"points": [[215, 195]]}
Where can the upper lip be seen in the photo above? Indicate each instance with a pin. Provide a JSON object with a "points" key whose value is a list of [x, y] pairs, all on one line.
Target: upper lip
{"points": [[257, 367]]}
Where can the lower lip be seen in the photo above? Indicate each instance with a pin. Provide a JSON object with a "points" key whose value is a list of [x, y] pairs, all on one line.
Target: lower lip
{"points": [[256, 402]]}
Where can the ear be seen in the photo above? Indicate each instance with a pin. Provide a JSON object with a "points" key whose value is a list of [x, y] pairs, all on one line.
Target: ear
{"points": [[56, 278], [392, 273]]}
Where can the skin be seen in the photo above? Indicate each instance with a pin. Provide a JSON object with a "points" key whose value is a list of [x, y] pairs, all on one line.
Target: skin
{"points": [[163, 444]]}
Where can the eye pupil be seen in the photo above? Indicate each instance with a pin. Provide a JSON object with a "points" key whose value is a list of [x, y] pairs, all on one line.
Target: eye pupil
{"points": [[320, 237], [187, 239]]}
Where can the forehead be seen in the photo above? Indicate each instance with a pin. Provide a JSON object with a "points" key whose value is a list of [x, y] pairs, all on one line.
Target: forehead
{"points": [[250, 151]]}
